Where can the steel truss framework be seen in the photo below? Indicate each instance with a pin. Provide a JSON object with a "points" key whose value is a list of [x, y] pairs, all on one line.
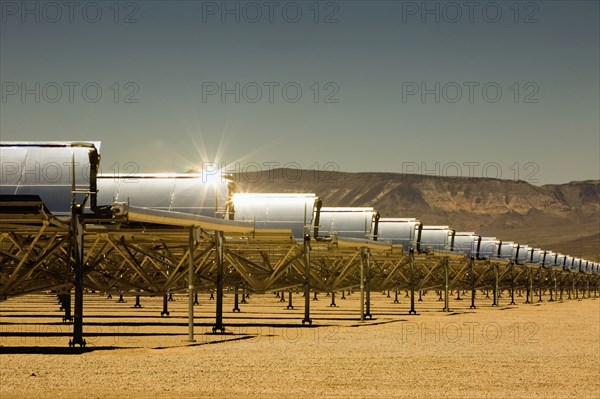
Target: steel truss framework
{"points": [[41, 253]]}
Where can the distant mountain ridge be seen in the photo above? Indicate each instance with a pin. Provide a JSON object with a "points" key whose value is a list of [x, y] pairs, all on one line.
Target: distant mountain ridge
{"points": [[562, 217]]}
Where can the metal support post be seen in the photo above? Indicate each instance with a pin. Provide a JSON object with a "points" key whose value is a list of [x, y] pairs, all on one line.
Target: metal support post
{"points": [[165, 311], [412, 282], [362, 284], [307, 318], [446, 287], [473, 282], [495, 293], [77, 237], [529, 296], [191, 287], [219, 303], [290, 306], [137, 303], [512, 283], [540, 288], [66, 306], [236, 297], [551, 285], [368, 285]]}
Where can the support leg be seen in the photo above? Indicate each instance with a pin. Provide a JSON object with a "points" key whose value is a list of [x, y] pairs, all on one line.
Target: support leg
{"points": [[368, 286], [512, 283], [137, 302], [219, 305], [446, 287], [290, 306], [529, 285], [191, 286], [412, 283], [332, 304], [541, 281], [66, 306], [77, 246], [362, 284], [165, 311], [78, 316], [495, 293], [236, 307], [307, 318], [561, 290], [473, 282]]}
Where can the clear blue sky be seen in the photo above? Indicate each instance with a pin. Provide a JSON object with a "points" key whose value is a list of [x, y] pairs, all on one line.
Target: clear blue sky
{"points": [[378, 68]]}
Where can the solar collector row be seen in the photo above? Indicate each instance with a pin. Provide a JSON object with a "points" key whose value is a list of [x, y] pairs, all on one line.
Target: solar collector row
{"points": [[51, 170]]}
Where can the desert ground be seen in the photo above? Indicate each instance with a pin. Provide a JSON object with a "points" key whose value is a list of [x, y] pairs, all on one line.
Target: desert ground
{"points": [[539, 350]]}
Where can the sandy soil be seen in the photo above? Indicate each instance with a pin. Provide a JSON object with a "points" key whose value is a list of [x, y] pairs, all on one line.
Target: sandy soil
{"points": [[547, 350]]}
